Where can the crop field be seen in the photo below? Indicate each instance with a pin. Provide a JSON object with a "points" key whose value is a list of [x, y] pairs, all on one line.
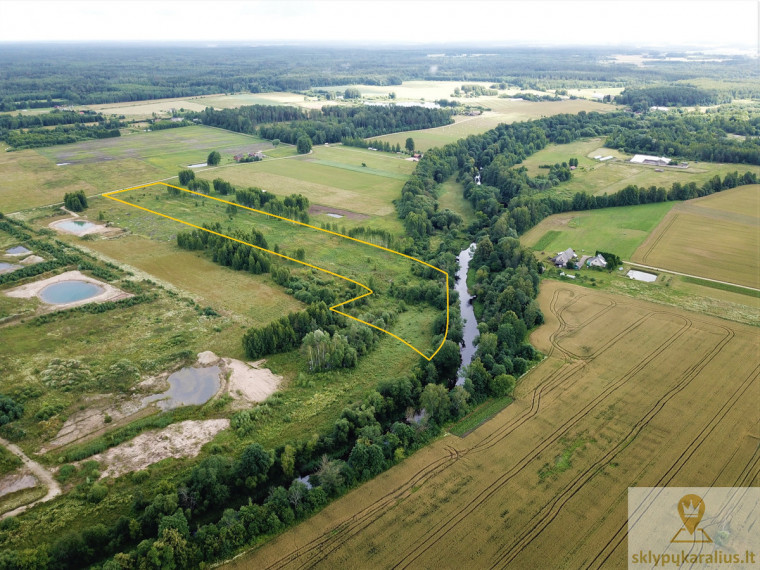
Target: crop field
{"points": [[594, 177], [618, 230], [619, 400], [503, 111], [710, 238], [31, 177]]}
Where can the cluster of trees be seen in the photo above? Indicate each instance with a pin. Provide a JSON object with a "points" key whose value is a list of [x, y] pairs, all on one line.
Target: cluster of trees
{"points": [[470, 90], [641, 98], [295, 206], [382, 145], [323, 351], [75, 201], [10, 410], [337, 123], [56, 117], [287, 333], [694, 136], [227, 252], [64, 134], [246, 119]]}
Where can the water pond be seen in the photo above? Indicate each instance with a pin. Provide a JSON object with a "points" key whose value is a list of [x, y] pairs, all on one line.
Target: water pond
{"points": [[75, 226], [18, 250], [187, 387], [8, 267], [69, 291]]}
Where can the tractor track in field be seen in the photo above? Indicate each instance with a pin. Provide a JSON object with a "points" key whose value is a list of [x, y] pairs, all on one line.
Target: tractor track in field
{"points": [[542, 519], [447, 526], [319, 549], [749, 473]]}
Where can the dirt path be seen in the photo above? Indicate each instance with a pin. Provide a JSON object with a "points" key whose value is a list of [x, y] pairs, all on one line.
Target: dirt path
{"points": [[42, 474]]}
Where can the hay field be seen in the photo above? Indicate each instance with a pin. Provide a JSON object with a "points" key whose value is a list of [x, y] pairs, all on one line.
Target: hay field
{"points": [[31, 177], [618, 230], [708, 238], [620, 401], [232, 292], [503, 111]]}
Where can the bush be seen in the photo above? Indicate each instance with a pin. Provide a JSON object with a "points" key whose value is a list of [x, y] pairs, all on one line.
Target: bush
{"points": [[9, 410], [97, 493]]}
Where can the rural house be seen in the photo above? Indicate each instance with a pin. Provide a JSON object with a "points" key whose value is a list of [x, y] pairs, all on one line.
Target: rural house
{"points": [[563, 257], [597, 261]]}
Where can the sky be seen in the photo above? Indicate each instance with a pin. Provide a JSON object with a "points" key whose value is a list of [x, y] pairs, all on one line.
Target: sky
{"points": [[727, 23]]}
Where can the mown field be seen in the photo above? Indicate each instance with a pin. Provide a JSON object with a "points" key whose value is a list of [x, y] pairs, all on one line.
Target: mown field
{"points": [[597, 178], [618, 230], [619, 401], [331, 176], [32, 178], [717, 236]]}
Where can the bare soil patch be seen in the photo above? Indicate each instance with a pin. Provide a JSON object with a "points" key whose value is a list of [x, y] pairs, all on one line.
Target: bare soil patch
{"points": [[183, 439], [317, 209]]}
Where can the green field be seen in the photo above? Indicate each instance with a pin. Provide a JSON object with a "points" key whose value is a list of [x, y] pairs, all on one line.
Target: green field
{"points": [[451, 196], [330, 176], [617, 230], [31, 177], [594, 177]]}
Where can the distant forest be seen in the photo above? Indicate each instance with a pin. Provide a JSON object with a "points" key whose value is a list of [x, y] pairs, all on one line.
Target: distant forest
{"points": [[33, 76]]}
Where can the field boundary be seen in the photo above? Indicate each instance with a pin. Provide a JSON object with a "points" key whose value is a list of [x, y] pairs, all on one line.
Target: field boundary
{"points": [[334, 308]]}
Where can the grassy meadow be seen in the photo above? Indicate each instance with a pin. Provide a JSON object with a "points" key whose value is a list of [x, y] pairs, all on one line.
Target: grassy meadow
{"points": [[597, 178], [32, 178], [617, 230]]}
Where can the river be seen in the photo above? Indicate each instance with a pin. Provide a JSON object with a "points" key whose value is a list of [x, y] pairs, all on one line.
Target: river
{"points": [[470, 328]]}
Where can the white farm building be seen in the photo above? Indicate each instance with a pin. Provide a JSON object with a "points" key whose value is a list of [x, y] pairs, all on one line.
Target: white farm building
{"points": [[651, 160]]}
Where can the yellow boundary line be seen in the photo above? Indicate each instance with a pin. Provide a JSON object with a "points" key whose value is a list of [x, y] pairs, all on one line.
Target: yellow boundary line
{"points": [[334, 307]]}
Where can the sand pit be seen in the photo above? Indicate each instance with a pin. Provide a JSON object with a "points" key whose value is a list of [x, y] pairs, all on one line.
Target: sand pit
{"points": [[31, 260], [249, 383], [109, 293], [246, 382], [183, 439]]}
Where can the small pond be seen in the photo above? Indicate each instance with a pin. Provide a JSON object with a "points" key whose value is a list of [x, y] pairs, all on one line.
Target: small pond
{"points": [[75, 226], [641, 276], [18, 250], [8, 267], [69, 291], [188, 386]]}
